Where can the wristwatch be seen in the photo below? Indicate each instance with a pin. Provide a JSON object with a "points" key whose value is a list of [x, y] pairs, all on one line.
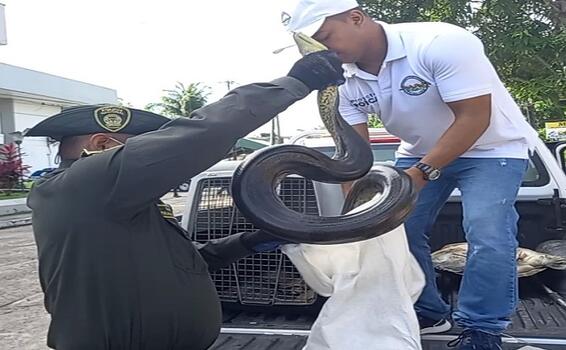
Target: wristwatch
{"points": [[430, 173]]}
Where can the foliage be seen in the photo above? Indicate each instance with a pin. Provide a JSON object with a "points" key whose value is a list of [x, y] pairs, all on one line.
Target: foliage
{"points": [[12, 168], [181, 101], [525, 40], [374, 122]]}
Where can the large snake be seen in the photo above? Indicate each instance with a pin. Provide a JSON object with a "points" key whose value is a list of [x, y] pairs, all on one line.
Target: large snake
{"points": [[255, 181]]}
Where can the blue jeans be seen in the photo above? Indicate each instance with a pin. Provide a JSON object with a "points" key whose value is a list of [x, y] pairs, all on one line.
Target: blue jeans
{"points": [[488, 293]]}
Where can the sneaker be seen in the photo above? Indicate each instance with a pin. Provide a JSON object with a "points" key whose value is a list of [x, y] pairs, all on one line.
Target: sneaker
{"points": [[476, 340], [429, 326]]}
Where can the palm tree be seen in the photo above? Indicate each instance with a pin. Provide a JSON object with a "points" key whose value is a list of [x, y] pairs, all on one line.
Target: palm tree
{"points": [[181, 101]]}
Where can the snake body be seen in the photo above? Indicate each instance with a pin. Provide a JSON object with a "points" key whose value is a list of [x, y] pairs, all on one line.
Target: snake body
{"points": [[255, 181]]}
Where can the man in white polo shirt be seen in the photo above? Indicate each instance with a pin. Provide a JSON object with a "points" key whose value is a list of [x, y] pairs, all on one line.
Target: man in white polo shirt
{"points": [[433, 87]]}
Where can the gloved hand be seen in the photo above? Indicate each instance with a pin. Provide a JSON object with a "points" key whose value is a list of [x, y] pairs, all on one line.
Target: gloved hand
{"points": [[318, 70], [260, 241]]}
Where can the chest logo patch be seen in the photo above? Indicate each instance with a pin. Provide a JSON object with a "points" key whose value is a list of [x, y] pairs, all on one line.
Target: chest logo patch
{"points": [[414, 86]]}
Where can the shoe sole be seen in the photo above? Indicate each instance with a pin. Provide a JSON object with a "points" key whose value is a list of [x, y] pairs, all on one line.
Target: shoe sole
{"points": [[441, 328]]}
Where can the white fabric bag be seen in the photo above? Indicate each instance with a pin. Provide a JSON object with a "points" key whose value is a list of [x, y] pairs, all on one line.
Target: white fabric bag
{"points": [[372, 286]]}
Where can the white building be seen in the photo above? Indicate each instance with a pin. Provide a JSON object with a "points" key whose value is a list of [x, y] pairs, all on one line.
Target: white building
{"points": [[2, 25], [27, 97]]}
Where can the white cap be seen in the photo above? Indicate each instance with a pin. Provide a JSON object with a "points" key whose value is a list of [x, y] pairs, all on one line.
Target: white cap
{"points": [[307, 16]]}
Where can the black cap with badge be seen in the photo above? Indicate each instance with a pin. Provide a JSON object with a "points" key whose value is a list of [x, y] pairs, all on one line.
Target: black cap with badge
{"points": [[92, 119]]}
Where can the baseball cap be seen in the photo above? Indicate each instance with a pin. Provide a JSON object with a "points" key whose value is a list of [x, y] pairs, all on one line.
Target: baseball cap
{"points": [[307, 16]]}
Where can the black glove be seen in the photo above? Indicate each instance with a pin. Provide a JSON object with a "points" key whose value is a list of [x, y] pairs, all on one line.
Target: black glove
{"points": [[260, 241], [318, 70]]}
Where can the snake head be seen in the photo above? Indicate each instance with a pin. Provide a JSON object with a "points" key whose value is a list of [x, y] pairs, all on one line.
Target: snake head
{"points": [[306, 44]]}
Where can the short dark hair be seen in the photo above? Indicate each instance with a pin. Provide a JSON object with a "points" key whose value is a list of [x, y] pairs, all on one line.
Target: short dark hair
{"points": [[343, 14], [69, 147]]}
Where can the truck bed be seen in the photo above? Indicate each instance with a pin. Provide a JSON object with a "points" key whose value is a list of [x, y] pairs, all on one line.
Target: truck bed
{"points": [[538, 322]]}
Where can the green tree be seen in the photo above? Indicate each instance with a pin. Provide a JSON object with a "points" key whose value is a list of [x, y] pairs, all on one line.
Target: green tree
{"points": [[124, 103], [525, 40], [374, 121], [181, 101]]}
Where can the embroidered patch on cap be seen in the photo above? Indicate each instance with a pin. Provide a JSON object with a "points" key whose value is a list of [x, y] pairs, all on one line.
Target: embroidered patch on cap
{"points": [[112, 118]]}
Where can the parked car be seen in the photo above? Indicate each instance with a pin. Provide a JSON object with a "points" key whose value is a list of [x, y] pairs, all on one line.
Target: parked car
{"points": [[270, 285], [38, 174]]}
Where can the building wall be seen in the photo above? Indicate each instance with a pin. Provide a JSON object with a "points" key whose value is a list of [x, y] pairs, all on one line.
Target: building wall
{"points": [[6, 117], [53, 88], [3, 39], [27, 97], [37, 152]]}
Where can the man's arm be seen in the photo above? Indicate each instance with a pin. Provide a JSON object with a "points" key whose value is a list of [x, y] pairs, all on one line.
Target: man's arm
{"points": [[149, 165], [362, 130], [463, 75], [471, 120], [357, 118], [152, 163], [219, 253]]}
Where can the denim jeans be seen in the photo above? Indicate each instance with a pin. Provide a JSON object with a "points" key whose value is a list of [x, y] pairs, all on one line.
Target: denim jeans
{"points": [[488, 293]]}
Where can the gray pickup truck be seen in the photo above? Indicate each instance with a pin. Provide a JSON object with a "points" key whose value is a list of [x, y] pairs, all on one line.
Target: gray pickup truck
{"points": [[267, 304]]}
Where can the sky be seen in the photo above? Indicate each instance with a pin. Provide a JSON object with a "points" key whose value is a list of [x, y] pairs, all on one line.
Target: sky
{"points": [[141, 47]]}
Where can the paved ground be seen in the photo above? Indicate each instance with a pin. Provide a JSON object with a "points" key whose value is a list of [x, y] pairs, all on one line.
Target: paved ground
{"points": [[23, 320]]}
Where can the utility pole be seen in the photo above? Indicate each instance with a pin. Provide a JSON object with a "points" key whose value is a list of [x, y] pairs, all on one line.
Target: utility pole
{"points": [[279, 139], [275, 138], [229, 84], [229, 87]]}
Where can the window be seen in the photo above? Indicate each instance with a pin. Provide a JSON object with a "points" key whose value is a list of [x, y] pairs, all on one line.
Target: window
{"points": [[382, 152], [535, 176]]}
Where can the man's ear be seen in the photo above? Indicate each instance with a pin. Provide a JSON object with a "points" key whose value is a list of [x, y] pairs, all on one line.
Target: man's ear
{"points": [[357, 17], [98, 142]]}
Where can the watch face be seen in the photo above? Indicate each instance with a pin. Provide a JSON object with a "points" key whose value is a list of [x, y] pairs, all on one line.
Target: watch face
{"points": [[434, 174]]}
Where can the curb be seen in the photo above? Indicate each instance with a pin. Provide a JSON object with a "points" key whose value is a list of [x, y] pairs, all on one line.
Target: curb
{"points": [[15, 222]]}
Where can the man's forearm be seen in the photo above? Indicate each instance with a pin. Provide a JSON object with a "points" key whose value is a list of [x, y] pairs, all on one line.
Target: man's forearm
{"points": [[458, 139], [363, 131], [219, 253], [184, 147], [472, 117]]}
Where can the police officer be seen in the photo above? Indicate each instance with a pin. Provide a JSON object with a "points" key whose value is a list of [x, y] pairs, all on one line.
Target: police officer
{"points": [[117, 270]]}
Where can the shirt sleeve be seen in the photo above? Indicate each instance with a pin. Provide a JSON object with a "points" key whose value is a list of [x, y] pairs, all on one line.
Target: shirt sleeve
{"points": [[219, 253], [459, 66], [149, 165], [351, 114]]}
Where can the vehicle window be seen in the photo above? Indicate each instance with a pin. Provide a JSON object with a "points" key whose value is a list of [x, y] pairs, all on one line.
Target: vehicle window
{"points": [[381, 152], [535, 176]]}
